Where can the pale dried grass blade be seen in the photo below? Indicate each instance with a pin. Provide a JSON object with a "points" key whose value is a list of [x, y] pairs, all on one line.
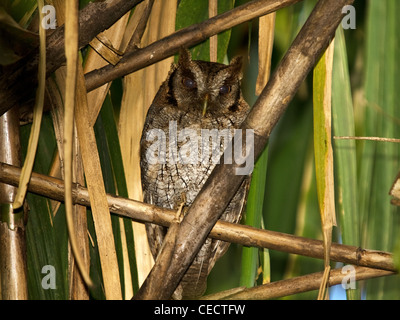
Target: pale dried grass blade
{"points": [[78, 289], [128, 293], [323, 292], [132, 24], [126, 130], [94, 178], [266, 31], [395, 191], [137, 26], [56, 89], [71, 54], [111, 42], [98, 200], [378, 139], [37, 119]]}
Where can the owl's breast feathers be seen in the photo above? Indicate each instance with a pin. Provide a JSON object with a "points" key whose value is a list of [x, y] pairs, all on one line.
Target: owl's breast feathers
{"points": [[176, 159]]}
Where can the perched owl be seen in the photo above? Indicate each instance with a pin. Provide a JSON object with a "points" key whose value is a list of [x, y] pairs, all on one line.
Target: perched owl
{"points": [[187, 127]]}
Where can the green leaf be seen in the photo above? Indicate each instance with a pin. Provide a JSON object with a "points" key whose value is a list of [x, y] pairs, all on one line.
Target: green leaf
{"points": [[287, 159], [253, 218], [344, 150], [192, 12], [15, 42], [46, 235], [345, 160], [380, 160]]}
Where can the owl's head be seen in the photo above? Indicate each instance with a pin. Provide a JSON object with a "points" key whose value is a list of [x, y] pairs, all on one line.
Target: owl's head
{"points": [[206, 88]]}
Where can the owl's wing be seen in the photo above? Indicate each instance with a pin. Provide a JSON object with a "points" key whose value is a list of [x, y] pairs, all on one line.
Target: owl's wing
{"points": [[155, 233], [233, 214]]}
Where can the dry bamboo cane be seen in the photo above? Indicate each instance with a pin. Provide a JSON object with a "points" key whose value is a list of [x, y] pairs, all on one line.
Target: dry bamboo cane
{"points": [[53, 188]]}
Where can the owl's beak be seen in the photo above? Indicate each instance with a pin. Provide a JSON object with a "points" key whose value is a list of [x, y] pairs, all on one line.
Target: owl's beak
{"points": [[205, 104]]}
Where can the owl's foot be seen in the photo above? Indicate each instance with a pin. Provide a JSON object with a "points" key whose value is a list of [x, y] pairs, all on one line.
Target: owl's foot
{"points": [[180, 213]]}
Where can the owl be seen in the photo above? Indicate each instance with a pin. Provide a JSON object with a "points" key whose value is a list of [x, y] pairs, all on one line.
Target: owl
{"points": [[187, 127]]}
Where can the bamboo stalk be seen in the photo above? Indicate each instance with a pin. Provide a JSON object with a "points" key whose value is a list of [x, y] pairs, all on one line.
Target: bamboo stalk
{"points": [[53, 188], [299, 284], [71, 46], [13, 268]]}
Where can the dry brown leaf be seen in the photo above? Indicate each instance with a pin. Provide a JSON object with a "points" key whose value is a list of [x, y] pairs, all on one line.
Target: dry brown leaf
{"points": [[98, 199], [139, 91], [213, 11], [266, 30], [95, 61]]}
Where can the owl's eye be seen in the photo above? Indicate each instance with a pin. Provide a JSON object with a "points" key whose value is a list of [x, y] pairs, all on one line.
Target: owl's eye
{"points": [[225, 89], [189, 83]]}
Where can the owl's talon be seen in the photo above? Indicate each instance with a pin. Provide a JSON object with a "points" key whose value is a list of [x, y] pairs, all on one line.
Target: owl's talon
{"points": [[178, 215], [180, 211]]}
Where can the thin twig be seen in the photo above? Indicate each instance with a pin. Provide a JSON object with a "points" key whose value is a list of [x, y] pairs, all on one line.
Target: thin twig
{"points": [[245, 235], [54, 188], [379, 139]]}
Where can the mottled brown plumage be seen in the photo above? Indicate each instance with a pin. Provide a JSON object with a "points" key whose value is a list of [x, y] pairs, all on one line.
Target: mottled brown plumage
{"points": [[196, 95]]}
